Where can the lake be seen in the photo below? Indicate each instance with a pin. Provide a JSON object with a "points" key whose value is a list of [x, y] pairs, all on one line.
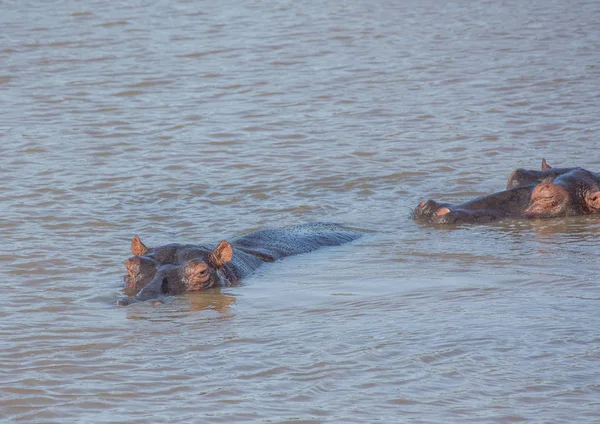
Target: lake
{"points": [[193, 122]]}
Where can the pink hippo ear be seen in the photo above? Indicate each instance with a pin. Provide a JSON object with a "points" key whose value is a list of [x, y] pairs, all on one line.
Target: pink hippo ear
{"points": [[545, 166], [223, 253], [137, 247]]}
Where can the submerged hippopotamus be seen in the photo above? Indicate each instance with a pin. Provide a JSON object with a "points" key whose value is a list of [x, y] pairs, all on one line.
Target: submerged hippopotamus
{"points": [[176, 268], [504, 204], [551, 192]]}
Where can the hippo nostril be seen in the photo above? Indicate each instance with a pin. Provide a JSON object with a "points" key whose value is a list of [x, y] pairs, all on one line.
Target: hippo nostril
{"points": [[164, 287]]}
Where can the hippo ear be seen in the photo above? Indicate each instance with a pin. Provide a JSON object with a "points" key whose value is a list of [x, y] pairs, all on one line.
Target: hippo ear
{"points": [[137, 247], [223, 253], [545, 166]]}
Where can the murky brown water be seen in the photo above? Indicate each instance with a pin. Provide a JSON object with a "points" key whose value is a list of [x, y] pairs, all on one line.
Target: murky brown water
{"points": [[196, 121]]}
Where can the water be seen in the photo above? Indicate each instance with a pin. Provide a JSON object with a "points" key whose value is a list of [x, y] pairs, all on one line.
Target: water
{"points": [[193, 122]]}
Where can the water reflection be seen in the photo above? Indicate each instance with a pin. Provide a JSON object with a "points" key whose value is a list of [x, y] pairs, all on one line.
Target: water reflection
{"points": [[194, 122], [588, 224], [583, 225], [210, 299], [178, 306]]}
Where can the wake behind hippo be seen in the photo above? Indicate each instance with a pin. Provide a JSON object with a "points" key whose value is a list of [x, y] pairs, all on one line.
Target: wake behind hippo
{"points": [[177, 268]]}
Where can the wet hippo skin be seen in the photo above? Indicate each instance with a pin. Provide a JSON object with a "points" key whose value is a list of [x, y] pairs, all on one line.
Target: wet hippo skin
{"points": [[521, 176], [576, 192], [173, 269], [504, 204], [550, 192]]}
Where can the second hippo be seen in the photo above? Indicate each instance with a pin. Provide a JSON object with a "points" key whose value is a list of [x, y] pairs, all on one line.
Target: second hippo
{"points": [[550, 192], [504, 204]]}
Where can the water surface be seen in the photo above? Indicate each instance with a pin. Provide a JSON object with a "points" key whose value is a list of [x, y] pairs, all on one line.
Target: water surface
{"points": [[194, 122]]}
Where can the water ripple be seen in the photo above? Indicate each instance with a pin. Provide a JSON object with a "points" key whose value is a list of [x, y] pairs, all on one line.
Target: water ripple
{"points": [[189, 123]]}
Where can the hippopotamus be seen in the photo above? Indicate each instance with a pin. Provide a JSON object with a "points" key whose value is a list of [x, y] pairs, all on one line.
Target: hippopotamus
{"points": [[504, 204], [142, 267], [551, 192], [173, 269], [491, 207]]}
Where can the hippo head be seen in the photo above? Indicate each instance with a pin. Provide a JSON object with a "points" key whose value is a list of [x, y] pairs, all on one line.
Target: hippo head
{"points": [[204, 271], [200, 269], [548, 200]]}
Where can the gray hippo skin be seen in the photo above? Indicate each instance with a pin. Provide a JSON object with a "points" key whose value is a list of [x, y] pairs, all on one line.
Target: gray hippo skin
{"points": [[142, 268], [505, 204], [551, 192], [576, 192], [425, 210], [176, 268], [484, 209], [559, 191], [520, 177]]}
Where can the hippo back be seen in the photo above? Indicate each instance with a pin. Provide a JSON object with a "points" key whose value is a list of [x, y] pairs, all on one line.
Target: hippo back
{"points": [[274, 244]]}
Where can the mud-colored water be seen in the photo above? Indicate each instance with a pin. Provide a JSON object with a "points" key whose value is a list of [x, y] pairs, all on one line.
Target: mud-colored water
{"points": [[198, 121]]}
